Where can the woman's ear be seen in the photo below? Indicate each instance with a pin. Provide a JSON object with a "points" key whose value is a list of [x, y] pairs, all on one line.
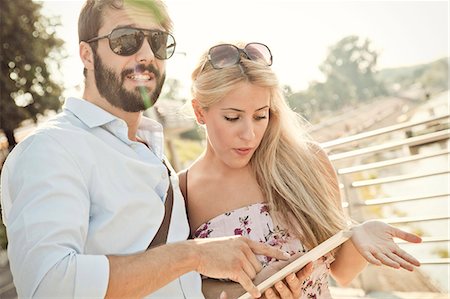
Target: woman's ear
{"points": [[199, 111], [86, 55]]}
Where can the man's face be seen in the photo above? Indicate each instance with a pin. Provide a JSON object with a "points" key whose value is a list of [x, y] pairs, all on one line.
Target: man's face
{"points": [[111, 86], [132, 83]]}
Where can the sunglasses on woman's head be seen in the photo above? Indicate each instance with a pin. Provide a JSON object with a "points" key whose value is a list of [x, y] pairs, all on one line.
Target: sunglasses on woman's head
{"points": [[127, 41], [225, 55]]}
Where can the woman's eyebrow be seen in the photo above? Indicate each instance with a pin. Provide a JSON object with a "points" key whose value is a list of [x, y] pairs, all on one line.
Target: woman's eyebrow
{"points": [[239, 110]]}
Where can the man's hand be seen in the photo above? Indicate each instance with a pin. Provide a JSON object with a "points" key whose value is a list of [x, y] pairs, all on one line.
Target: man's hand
{"points": [[374, 241], [234, 258]]}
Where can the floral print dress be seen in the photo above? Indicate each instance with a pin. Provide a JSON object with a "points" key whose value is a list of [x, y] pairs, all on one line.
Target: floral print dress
{"points": [[255, 223]]}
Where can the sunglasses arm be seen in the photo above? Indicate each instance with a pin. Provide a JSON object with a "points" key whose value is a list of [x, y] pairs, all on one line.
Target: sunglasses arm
{"points": [[94, 39]]}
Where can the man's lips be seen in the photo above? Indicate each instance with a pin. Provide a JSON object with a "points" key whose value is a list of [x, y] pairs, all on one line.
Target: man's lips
{"points": [[141, 73], [146, 76]]}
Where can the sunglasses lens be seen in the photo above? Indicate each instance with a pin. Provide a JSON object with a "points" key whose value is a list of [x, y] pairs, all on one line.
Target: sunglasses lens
{"points": [[223, 55], [259, 52], [125, 41], [162, 44]]}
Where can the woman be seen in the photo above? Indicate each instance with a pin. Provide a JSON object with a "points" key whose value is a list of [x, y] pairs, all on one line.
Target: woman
{"points": [[262, 177]]}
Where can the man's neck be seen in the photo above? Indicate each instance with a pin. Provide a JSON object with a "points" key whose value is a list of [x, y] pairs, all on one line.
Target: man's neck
{"points": [[132, 119]]}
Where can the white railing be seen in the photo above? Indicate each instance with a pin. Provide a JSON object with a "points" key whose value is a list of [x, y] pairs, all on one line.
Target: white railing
{"points": [[368, 162]]}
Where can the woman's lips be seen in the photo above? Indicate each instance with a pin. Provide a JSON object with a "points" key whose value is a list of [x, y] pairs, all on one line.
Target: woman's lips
{"points": [[243, 150]]}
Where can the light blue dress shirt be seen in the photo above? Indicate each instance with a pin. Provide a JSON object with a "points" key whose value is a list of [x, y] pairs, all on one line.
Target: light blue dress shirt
{"points": [[78, 189]]}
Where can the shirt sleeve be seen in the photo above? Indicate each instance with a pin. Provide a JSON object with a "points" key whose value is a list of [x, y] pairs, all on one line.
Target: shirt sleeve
{"points": [[46, 202]]}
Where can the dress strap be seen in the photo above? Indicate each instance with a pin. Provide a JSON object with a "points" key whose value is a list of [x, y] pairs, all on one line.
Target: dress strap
{"points": [[183, 177]]}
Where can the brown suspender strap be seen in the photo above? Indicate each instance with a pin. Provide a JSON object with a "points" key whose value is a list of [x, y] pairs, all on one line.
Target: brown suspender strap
{"points": [[161, 236]]}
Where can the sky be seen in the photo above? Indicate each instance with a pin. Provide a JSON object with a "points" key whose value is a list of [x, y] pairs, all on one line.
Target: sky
{"points": [[299, 33]]}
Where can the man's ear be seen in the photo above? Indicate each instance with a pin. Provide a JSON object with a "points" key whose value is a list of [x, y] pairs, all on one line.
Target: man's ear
{"points": [[199, 111], [86, 55]]}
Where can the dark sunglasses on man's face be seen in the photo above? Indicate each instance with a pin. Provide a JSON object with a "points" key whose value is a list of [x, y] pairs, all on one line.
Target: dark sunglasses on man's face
{"points": [[225, 55], [127, 41]]}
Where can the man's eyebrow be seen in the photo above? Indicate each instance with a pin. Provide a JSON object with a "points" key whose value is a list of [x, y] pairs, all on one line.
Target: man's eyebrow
{"points": [[124, 26], [239, 110]]}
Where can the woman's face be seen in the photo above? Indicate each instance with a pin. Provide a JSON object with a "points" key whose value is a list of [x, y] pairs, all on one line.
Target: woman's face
{"points": [[236, 124]]}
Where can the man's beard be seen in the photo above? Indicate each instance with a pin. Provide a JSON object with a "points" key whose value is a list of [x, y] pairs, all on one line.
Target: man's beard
{"points": [[111, 87]]}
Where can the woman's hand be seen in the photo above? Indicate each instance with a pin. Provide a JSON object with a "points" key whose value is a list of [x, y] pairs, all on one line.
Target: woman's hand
{"points": [[291, 286], [374, 241]]}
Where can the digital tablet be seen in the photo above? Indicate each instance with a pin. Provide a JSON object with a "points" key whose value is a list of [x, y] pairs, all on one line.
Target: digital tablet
{"points": [[312, 255]]}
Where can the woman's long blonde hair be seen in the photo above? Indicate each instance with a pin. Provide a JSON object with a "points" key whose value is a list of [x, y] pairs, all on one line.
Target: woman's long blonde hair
{"points": [[292, 171]]}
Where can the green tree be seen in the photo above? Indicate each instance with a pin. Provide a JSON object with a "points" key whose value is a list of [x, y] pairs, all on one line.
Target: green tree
{"points": [[432, 77], [350, 76], [435, 76], [350, 71], [28, 47]]}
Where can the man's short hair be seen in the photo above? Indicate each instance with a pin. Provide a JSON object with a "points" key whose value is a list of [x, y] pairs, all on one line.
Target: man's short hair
{"points": [[91, 16]]}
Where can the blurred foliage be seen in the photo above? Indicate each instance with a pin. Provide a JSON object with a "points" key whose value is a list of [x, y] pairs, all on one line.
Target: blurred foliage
{"points": [[351, 77], [349, 71], [194, 134], [28, 47], [350, 68], [3, 239], [188, 151], [418, 231], [441, 252], [432, 77], [172, 89]]}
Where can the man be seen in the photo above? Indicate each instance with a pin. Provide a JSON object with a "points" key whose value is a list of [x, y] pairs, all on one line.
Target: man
{"points": [[84, 196]]}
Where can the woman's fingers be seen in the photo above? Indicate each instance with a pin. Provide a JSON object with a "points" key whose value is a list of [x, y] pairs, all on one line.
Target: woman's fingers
{"points": [[371, 258], [386, 260], [398, 233], [295, 285], [291, 287], [374, 240], [270, 294], [407, 257], [283, 290], [405, 260], [223, 295], [305, 272]]}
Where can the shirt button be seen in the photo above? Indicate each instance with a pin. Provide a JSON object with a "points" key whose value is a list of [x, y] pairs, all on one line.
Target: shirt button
{"points": [[164, 175]]}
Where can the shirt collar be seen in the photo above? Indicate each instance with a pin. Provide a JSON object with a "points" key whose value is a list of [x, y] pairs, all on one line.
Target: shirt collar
{"points": [[93, 116]]}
